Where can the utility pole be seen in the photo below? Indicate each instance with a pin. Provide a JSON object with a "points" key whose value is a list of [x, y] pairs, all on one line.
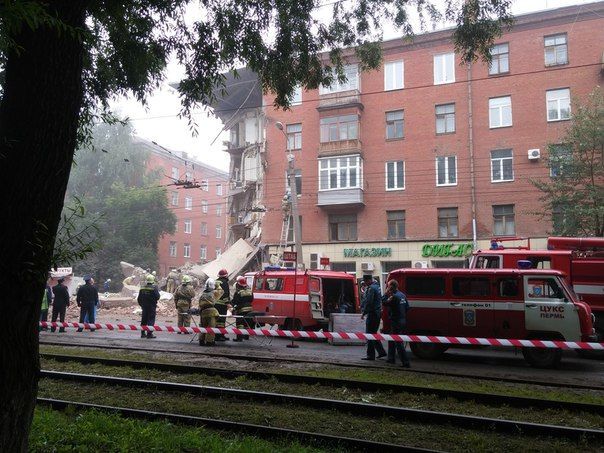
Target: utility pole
{"points": [[291, 174]]}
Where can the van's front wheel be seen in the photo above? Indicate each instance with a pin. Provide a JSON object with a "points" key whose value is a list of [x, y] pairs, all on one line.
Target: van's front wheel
{"points": [[542, 357], [427, 350]]}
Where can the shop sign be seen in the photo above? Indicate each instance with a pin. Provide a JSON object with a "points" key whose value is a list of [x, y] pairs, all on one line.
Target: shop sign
{"points": [[324, 261], [384, 251], [447, 249]]}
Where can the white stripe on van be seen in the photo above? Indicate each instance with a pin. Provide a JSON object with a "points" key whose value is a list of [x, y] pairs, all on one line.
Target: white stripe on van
{"points": [[589, 289], [281, 296], [477, 305]]}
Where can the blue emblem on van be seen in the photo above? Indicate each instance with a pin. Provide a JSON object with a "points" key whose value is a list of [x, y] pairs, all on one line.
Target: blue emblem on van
{"points": [[469, 317]]}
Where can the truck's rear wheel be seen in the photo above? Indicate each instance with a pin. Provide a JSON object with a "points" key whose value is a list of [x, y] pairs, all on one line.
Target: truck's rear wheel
{"points": [[542, 357], [427, 350]]}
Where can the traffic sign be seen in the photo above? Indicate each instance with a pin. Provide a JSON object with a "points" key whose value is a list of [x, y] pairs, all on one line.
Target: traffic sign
{"points": [[324, 261], [290, 256]]}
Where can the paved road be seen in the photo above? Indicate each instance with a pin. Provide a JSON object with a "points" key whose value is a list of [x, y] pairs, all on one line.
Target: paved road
{"points": [[473, 362]]}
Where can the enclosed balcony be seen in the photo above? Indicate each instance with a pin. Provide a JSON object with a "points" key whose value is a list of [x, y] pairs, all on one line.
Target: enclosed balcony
{"points": [[341, 182], [340, 100], [339, 136]]}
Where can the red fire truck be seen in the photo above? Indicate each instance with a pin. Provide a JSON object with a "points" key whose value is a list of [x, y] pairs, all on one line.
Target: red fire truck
{"points": [[494, 303], [317, 295], [580, 259]]}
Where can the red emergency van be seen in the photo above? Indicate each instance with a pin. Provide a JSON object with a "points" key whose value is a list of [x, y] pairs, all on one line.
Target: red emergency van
{"points": [[580, 259], [494, 303], [317, 294]]}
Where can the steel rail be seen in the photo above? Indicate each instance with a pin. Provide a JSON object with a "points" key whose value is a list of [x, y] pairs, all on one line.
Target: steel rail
{"points": [[486, 398], [370, 410], [255, 358], [265, 432]]}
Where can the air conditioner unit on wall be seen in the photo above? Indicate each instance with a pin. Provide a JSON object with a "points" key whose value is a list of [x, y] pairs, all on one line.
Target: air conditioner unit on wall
{"points": [[367, 266], [420, 264], [534, 154]]}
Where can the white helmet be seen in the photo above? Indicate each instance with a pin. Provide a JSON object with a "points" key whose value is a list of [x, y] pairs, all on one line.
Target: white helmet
{"points": [[210, 284]]}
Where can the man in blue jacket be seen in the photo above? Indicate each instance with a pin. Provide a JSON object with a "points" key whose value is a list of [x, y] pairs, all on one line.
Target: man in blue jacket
{"points": [[372, 313], [397, 306]]}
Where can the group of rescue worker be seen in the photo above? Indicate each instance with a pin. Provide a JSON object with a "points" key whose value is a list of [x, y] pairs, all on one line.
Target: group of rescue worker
{"points": [[214, 303]]}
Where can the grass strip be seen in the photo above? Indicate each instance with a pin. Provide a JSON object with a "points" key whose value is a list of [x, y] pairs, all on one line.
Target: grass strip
{"points": [[404, 432], [54, 431]]}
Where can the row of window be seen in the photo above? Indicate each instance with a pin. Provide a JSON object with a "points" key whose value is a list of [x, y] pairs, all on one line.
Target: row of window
{"points": [[346, 127], [188, 228], [189, 204], [343, 227], [205, 185], [186, 251]]}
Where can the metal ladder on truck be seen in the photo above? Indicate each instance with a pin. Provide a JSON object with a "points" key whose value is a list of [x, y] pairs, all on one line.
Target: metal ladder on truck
{"points": [[283, 239]]}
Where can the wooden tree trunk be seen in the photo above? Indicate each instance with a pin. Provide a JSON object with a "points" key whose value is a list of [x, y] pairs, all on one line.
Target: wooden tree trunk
{"points": [[38, 125]]}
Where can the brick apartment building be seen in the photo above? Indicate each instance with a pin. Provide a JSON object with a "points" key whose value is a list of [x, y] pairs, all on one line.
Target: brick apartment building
{"points": [[417, 163], [201, 226]]}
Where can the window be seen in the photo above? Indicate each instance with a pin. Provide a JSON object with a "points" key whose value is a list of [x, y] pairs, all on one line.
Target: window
{"points": [[447, 223], [294, 136], [174, 198], [188, 203], [444, 68], [425, 286], [395, 122], [343, 227], [298, 176], [500, 59], [272, 284], [336, 128], [501, 165], [507, 287], [394, 75], [446, 171], [563, 219], [352, 81], [219, 210], [340, 173], [204, 206], [396, 224], [218, 232], [187, 251], [395, 175], [544, 288], [188, 226], [471, 286], [218, 252], [204, 229], [556, 50], [503, 220], [172, 249], [175, 174], [203, 252], [560, 158], [558, 104], [445, 119], [219, 189], [205, 185], [500, 112], [297, 96], [487, 262]]}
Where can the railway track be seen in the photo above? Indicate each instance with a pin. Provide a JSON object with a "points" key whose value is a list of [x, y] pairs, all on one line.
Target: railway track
{"points": [[266, 432], [256, 358], [368, 410]]}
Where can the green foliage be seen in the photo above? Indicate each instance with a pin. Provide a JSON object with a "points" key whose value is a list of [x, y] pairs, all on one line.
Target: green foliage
{"points": [[574, 196]]}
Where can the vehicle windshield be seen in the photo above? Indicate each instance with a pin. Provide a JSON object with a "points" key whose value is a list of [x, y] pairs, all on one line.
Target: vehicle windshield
{"points": [[569, 289]]}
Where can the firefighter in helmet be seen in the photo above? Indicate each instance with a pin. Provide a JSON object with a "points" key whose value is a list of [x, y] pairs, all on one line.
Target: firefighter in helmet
{"points": [[224, 302], [183, 297], [242, 305], [208, 312]]}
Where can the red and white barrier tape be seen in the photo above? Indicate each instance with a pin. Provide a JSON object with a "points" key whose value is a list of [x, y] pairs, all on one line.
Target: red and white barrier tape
{"points": [[339, 335]]}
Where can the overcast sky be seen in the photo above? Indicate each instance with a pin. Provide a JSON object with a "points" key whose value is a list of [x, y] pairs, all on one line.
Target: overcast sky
{"points": [[159, 121]]}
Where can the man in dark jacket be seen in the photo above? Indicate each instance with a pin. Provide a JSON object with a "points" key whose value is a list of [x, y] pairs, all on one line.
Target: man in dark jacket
{"points": [[87, 298], [61, 302], [222, 304], [242, 305], [372, 313], [397, 306], [148, 296]]}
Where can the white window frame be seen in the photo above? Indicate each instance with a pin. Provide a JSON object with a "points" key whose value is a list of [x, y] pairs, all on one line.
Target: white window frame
{"points": [[392, 70], [218, 210], [218, 232], [496, 57], [499, 162], [297, 96], [444, 118], [557, 101], [188, 226], [189, 203], [218, 251], [219, 190], [204, 228], [205, 185], [175, 173], [173, 249], [203, 252], [443, 61], [326, 167], [352, 83], [496, 105], [446, 160], [294, 136], [554, 46], [204, 206], [174, 198], [186, 251], [397, 183]]}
